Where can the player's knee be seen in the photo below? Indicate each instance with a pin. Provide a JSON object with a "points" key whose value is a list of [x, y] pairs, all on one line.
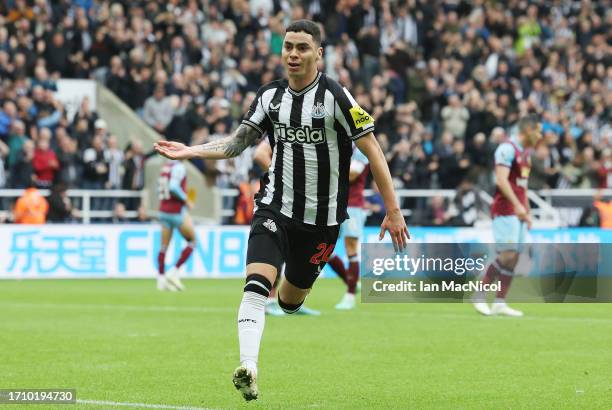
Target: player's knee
{"points": [[288, 307], [258, 284]]}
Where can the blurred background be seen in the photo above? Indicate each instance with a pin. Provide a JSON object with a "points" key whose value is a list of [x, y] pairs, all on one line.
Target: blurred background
{"points": [[87, 86]]}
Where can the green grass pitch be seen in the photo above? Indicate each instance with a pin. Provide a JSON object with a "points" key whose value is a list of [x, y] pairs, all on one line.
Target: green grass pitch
{"points": [[122, 341]]}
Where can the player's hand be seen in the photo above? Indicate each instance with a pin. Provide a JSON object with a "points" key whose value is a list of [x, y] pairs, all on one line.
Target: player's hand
{"points": [[528, 220], [395, 224], [173, 150], [189, 204], [521, 212]]}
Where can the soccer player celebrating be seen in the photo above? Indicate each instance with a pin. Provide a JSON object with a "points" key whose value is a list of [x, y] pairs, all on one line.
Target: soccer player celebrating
{"points": [[311, 122], [351, 230], [510, 212], [173, 215]]}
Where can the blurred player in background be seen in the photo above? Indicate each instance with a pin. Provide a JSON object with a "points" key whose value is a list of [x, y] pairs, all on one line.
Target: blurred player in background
{"points": [[311, 122], [352, 229], [173, 215], [263, 158], [511, 213]]}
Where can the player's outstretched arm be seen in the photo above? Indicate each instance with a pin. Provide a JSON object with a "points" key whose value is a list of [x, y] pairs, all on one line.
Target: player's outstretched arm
{"points": [[394, 220], [227, 147]]}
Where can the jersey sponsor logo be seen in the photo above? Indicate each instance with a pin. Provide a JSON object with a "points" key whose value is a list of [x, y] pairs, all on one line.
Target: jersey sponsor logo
{"points": [[302, 135], [270, 224], [360, 117], [273, 107], [318, 110]]}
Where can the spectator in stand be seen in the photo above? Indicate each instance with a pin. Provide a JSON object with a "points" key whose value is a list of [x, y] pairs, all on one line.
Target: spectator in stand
{"points": [[454, 168], [605, 169], [95, 170], [119, 214], [85, 113], [70, 169], [4, 150], [115, 164], [16, 140], [8, 115], [538, 177], [44, 160], [455, 117], [31, 208], [60, 207], [22, 172], [158, 110], [436, 214], [133, 176], [82, 133]]}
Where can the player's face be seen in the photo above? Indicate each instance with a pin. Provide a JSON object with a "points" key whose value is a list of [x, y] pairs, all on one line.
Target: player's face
{"points": [[534, 135], [300, 54]]}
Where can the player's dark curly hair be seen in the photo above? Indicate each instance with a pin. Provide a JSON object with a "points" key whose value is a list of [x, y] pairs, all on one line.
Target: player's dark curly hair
{"points": [[306, 26]]}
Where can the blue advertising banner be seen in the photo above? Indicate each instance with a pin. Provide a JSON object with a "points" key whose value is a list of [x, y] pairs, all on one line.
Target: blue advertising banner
{"points": [[130, 251]]}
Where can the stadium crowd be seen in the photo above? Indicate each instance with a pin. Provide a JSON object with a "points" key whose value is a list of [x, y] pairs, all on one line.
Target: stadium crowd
{"points": [[444, 79]]}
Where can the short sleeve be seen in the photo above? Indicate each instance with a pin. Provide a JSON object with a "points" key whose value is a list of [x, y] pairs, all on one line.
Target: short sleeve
{"points": [[504, 154], [178, 172], [354, 119], [256, 116]]}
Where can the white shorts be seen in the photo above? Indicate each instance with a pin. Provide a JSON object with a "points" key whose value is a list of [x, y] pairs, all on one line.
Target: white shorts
{"points": [[509, 232], [353, 227]]}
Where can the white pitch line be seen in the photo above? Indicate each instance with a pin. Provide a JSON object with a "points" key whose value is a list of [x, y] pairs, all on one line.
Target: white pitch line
{"points": [[476, 316], [140, 405], [193, 309], [120, 307]]}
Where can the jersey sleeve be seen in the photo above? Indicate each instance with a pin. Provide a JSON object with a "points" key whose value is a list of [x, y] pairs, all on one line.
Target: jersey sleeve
{"points": [[176, 177], [354, 119], [504, 154], [256, 117]]}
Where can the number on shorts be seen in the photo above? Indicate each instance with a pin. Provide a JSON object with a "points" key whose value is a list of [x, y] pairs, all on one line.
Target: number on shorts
{"points": [[323, 254]]}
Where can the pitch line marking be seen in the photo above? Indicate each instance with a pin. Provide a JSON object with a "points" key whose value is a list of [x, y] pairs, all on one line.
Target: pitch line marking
{"points": [[194, 309], [136, 308], [140, 405]]}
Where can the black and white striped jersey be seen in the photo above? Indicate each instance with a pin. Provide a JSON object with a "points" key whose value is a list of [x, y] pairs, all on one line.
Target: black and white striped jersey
{"points": [[311, 134]]}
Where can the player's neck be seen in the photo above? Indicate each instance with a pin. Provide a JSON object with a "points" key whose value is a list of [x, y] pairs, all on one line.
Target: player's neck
{"points": [[298, 84]]}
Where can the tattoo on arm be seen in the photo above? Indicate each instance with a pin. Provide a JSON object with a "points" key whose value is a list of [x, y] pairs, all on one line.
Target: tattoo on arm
{"points": [[243, 137], [231, 146]]}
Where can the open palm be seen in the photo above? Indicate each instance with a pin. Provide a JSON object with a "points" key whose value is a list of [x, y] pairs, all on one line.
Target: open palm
{"points": [[173, 150]]}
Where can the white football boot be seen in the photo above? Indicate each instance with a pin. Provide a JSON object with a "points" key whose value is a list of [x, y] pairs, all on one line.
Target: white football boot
{"points": [[501, 308], [347, 302], [482, 308], [173, 277]]}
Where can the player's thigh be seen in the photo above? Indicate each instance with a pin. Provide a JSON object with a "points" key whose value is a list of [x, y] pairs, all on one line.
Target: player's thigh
{"points": [[507, 233], [186, 228], [166, 231], [265, 248], [309, 250]]}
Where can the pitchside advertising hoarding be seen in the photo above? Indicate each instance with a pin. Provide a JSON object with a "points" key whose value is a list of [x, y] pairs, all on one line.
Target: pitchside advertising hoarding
{"points": [[130, 251]]}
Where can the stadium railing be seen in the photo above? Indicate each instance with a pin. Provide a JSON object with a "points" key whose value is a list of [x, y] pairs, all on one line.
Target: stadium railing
{"points": [[81, 199], [550, 208]]}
